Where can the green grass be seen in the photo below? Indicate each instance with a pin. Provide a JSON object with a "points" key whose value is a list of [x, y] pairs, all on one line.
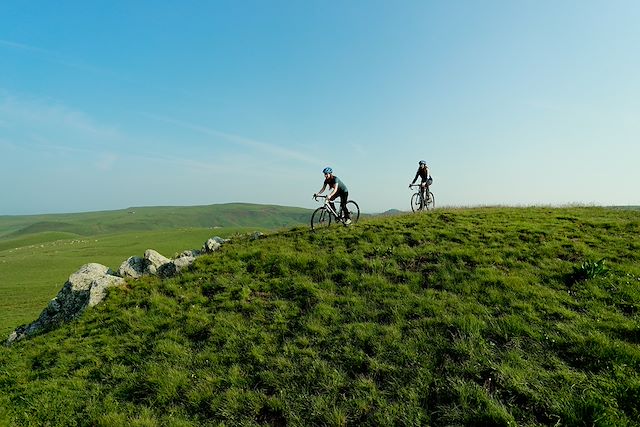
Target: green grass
{"points": [[39, 252], [36, 267], [451, 317]]}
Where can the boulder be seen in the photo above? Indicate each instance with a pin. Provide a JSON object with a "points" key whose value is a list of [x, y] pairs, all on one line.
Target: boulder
{"points": [[85, 288], [193, 253], [167, 270], [183, 262], [220, 239], [153, 261], [211, 245], [132, 267]]}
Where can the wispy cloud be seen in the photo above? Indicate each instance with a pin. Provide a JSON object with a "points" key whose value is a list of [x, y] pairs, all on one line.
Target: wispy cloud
{"points": [[105, 160], [37, 113], [45, 125], [236, 139], [55, 57], [21, 46]]}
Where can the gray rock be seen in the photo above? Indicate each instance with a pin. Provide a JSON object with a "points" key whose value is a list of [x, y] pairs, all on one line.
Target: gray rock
{"points": [[257, 235], [153, 261], [167, 270], [183, 262], [85, 288], [99, 288], [193, 253], [178, 265], [132, 267], [211, 245]]}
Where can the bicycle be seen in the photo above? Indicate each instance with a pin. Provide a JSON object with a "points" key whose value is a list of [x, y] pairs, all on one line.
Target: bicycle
{"points": [[417, 199], [323, 216]]}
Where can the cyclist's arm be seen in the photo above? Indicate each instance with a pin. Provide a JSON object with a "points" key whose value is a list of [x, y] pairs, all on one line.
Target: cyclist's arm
{"points": [[322, 189], [416, 177], [333, 190]]}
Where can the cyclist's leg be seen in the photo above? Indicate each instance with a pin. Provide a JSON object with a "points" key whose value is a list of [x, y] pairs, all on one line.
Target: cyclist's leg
{"points": [[423, 196], [343, 204], [331, 202]]}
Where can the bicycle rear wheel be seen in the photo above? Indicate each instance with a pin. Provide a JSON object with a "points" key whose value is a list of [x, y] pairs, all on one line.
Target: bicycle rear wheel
{"points": [[431, 201], [321, 218], [354, 211], [416, 202]]}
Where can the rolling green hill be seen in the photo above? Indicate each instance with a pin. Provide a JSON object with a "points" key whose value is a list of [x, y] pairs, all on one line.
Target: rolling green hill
{"points": [[486, 316], [154, 218]]}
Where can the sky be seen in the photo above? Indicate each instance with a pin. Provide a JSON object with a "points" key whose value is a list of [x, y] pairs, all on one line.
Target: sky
{"points": [[112, 104]]}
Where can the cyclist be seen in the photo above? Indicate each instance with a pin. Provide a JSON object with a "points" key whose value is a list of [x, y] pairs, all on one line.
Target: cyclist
{"points": [[423, 173], [336, 188]]}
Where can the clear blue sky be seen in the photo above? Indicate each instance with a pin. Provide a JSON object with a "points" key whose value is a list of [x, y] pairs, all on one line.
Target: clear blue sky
{"points": [[111, 104]]}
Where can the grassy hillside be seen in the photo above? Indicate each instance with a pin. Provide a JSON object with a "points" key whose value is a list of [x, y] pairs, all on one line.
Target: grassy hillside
{"points": [[492, 316], [154, 218], [34, 271], [39, 252]]}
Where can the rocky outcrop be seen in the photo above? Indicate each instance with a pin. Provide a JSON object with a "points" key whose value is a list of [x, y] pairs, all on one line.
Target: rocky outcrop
{"points": [[153, 261], [213, 244], [257, 235], [87, 286], [132, 267], [185, 259]]}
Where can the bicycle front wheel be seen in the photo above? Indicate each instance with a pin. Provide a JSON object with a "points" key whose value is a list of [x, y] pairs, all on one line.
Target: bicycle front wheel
{"points": [[320, 218], [354, 211], [416, 202], [431, 201]]}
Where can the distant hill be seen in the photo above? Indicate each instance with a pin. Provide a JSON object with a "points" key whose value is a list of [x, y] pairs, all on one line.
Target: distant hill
{"points": [[633, 208], [154, 218], [391, 212]]}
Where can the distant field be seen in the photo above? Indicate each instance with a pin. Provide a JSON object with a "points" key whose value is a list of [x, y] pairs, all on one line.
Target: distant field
{"points": [[38, 253], [154, 218]]}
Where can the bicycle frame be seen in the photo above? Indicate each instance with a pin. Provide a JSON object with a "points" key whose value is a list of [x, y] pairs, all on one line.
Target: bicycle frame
{"points": [[421, 193], [322, 216], [421, 190], [327, 206]]}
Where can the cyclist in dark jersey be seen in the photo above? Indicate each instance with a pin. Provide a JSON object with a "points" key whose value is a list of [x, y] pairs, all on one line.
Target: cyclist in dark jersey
{"points": [[423, 173], [336, 188]]}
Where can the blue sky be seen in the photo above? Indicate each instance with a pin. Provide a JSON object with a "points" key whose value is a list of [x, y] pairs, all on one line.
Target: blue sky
{"points": [[111, 104]]}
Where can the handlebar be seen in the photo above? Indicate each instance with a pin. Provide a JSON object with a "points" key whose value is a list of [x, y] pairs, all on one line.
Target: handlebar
{"points": [[318, 196]]}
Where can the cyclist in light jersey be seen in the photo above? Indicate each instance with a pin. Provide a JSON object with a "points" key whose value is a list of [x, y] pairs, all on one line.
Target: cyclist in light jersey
{"points": [[336, 188]]}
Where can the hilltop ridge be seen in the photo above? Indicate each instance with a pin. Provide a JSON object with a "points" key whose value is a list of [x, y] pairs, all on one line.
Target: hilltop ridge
{"points": [[487, 316]]}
